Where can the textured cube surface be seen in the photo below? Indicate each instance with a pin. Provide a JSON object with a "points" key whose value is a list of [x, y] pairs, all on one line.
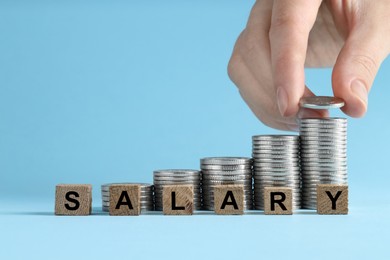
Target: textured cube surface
{"points": [[125, 200], [73, 199], [229, 200], [277, 201], [178, 200], [332, 199]]}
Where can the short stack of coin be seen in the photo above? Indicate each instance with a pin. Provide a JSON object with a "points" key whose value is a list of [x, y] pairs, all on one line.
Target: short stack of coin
{"points": [[226, 170], [147, 198], [323, 155], [176, 177], [276, 164]]}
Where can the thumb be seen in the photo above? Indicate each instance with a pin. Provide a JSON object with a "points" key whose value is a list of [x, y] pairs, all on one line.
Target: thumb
{"points": [[356, 68]]}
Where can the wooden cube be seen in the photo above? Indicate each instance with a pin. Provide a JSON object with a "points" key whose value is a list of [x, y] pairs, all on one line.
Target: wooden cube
{"points": [[278, 201], [229, 199], [178, 200], [332, 199], [125, 200], [73, 199]]}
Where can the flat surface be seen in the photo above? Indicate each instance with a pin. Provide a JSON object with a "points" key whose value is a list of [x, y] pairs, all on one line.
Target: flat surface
{"points": [[101, 91], [360, 235]]}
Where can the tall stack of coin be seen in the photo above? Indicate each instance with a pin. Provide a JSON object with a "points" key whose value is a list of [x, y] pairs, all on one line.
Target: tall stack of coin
{"points": [[226, 170], [176, 177], [323, 149], [147, 199], [276, 164]]}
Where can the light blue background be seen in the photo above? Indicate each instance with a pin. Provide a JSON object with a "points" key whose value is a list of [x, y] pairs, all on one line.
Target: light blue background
{"points": [[108, 91]]}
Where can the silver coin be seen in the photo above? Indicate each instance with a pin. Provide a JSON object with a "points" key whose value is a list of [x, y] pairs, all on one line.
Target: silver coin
{"points": [[320, 179], [311, 142], [277, 171], [276, 176], [275, 147], [177, 179], [323, 139], [143, 190], [322, 168], [272, 157], [317, 121], [226, 167], [121, 183], [276, 160], [314, 156], [229, 178], [322, 132], [176, 171], [226, 160], [236, 172], [274, 137], [326, 127]]}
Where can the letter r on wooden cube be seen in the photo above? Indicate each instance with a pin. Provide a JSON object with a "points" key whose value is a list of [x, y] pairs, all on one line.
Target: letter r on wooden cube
{"points": [[278, 201], [178, 199], [73, 199], [332, 199]]}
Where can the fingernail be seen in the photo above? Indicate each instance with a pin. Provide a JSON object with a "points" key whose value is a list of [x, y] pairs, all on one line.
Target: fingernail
{"points": [[359, 89], [282, 100]]}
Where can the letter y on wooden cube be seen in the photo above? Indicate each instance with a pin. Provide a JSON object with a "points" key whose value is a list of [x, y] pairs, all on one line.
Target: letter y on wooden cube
{"points": [[332, 199]]}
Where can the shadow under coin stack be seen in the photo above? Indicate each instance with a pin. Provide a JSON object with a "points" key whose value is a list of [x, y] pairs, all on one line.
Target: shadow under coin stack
{"points": [[147, 199], [226, 171], [324, 155], [276, 164], [176, 177]]}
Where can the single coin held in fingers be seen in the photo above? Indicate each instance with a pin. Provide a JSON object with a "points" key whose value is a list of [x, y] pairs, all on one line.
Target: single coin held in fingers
{"points": [[321, 102]]}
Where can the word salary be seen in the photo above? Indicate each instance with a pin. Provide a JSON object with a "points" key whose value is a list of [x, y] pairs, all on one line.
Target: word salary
{"points": [[125, 200]]}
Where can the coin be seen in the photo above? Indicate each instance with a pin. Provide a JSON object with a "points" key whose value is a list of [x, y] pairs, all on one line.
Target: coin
{"points": [[321, 102], [218, 171], [276, 164], [323, 155]]}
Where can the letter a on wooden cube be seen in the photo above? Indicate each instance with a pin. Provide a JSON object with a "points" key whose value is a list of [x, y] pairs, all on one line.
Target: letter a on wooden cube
{"points": [[125, 200], [73, 199], [332, 199], [178, 200], [229, 199], [277, 201]]}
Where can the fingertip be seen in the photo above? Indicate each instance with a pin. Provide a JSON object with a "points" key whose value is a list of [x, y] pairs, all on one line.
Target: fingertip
{"points": [[287, 106], [355, 108], [355, 95]]}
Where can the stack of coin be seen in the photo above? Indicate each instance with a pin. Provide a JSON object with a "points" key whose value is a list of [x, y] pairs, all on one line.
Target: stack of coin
{"points": [[323, 148], [226, 170], [176, 177], [276, 164], [323, 155], [147, 199]]}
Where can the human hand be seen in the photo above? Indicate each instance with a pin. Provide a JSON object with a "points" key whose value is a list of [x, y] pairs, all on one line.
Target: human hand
{"points": [[284, 36]]}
